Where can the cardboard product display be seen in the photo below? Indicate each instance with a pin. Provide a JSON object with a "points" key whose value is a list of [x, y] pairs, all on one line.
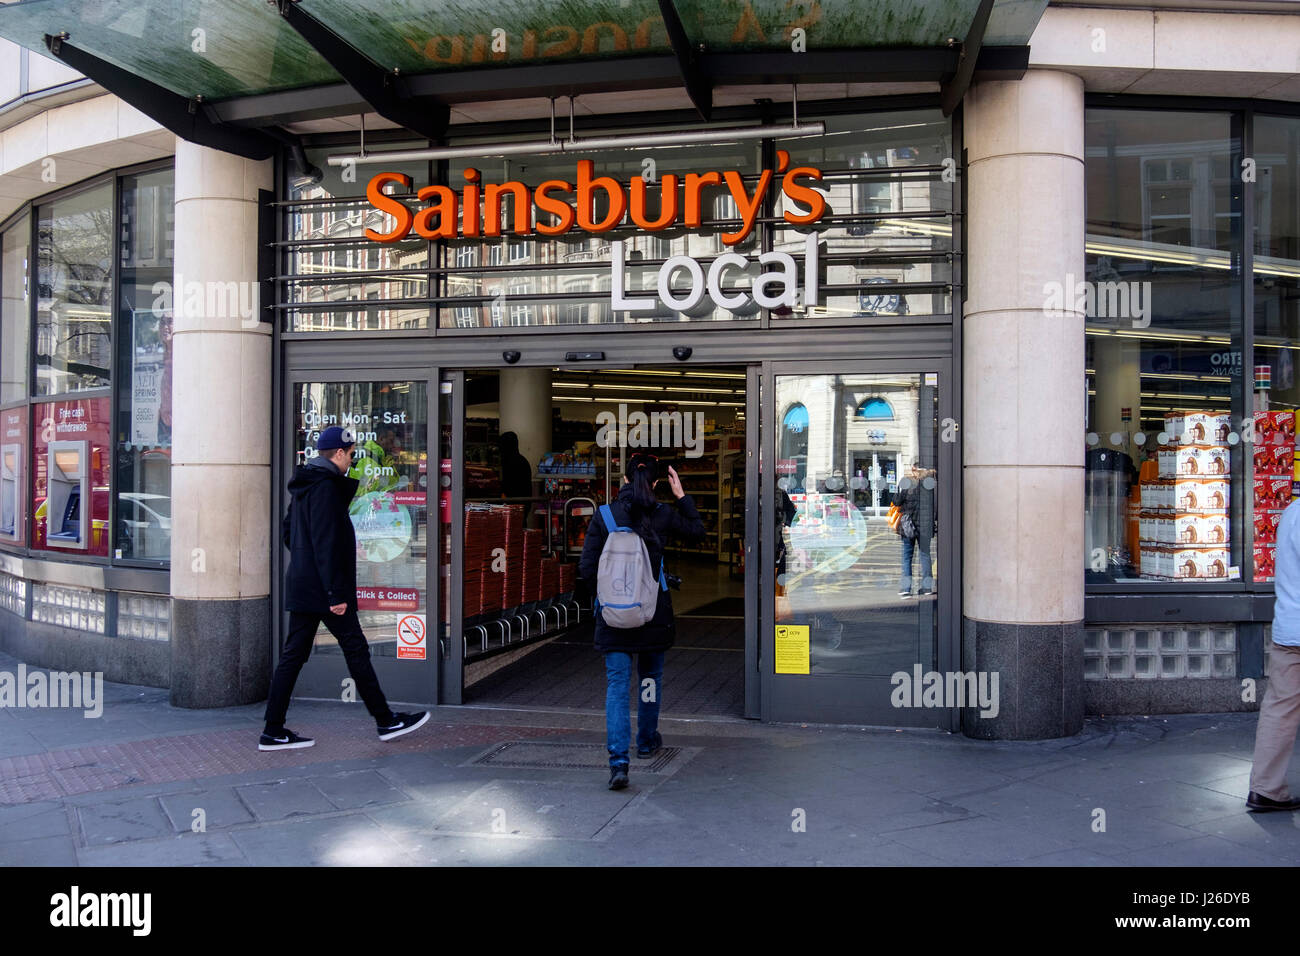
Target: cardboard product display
{"points": [[1202, 564], [1194, 461], [1266, 523], [1198, 494], [1264, 562], [1275, 428], [1274, 460], [1199, 428], [1272, 493]]}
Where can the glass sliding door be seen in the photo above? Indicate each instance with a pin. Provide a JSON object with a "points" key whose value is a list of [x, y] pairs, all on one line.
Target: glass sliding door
{"points": [[858, 590]]}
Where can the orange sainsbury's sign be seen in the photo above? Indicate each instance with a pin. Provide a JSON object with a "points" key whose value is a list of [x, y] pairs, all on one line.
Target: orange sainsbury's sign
{"points": [[556, 206]]}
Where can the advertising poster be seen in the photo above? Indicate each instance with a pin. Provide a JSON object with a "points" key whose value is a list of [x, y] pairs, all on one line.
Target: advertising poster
{"points": [[148, 366]]}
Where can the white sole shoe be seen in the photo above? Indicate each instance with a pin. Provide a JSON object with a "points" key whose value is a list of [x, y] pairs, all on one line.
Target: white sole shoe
{"points": [[406, 730]]}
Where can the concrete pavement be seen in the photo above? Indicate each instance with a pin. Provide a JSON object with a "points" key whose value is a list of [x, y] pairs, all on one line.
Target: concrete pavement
{"points": [[148, 784]]}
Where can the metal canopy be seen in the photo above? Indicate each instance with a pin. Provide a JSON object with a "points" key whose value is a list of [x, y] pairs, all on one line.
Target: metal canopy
{"points": [[260, 63]]}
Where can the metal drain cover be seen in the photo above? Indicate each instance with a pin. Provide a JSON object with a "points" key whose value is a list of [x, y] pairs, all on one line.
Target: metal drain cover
{"points": [[551, 755]]}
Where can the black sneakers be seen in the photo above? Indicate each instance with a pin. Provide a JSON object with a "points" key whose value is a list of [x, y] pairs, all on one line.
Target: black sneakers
{"points": [[618, 777], [1257, 804], [284, 740], [648, 752], [403, 724]]}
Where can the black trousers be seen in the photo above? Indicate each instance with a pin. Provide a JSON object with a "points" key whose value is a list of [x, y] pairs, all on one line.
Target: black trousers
{"points": [[297, 648]]}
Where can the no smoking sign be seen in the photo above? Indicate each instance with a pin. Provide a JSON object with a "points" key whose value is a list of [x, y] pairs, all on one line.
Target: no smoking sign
{"points": [[410, 638]]}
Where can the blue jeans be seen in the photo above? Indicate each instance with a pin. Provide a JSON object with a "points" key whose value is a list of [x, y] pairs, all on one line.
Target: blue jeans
{"points": [[922, 545], [618, 721]]}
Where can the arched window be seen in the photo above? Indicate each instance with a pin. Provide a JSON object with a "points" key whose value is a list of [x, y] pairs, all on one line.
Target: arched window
{"points": [[876, 410], [794, 444]]}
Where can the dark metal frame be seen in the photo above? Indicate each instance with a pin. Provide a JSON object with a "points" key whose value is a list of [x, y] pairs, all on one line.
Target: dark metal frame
{"points": [[385, 92], [704, 69]]}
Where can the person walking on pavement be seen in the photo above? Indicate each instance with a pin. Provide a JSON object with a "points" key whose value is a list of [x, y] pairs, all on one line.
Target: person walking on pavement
{"points": [[321, 585], [1279, 713], [635, 507]]}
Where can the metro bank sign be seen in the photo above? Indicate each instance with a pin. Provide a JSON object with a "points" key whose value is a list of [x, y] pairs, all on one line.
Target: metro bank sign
{"points": [[556, 207]]}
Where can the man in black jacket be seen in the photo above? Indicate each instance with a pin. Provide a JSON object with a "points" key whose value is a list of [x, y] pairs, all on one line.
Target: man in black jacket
{"points": [[321, 585]]}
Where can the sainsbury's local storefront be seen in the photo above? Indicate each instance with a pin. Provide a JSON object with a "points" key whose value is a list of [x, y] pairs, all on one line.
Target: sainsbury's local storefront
{"points": [[809, 276]]}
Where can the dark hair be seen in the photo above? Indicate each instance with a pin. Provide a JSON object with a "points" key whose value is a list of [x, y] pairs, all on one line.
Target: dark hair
{"points": [[642, 469]]}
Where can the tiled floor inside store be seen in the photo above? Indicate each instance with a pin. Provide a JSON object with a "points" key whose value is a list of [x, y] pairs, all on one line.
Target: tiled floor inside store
{"points": [[703, 671]]}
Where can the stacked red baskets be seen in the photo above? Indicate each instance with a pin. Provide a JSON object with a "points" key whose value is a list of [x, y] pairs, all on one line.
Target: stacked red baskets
{"points": [[513, 595], [532, 578]]}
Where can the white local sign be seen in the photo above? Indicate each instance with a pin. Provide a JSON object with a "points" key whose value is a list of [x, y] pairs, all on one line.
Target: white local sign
{"points": [[772, 289]]}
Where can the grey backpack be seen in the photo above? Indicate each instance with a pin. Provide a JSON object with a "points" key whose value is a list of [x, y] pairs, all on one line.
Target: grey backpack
{"points": [[627, 591]]}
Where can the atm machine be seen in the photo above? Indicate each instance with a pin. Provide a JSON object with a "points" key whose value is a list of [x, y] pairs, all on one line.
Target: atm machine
{"points": [[68, 477], [11, 498]]}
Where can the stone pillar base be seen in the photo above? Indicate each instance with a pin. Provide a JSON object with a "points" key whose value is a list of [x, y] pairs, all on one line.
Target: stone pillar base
{"points": [[221, 652], [1040, 678]]}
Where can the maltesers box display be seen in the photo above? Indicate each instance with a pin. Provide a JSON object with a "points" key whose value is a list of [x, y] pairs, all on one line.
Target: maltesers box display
{"points": [[1198, 428]]}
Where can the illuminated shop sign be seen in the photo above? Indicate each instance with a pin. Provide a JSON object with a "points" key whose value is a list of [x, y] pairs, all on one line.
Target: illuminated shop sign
{"points": [[492, 209], [597, 204]]}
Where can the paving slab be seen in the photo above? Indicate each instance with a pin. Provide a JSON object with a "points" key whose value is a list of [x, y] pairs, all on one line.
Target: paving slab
{"points": [[283, 799], [124, 821], [221, 808], [352, 789]]}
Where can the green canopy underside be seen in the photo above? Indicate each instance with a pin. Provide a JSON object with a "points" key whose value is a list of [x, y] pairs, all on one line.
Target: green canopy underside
{"points": [[222, 49]]}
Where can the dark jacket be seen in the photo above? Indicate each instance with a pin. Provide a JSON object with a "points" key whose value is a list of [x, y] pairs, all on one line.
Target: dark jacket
{"points": [[667, 521], [917, 502], [322, 544]]}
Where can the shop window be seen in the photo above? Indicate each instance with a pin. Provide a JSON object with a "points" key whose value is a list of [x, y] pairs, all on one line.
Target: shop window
{"points": [[74, 299], [466, 257], [144, 389], [866, 159], [1166, 447], [520, 251], [15, 317]]}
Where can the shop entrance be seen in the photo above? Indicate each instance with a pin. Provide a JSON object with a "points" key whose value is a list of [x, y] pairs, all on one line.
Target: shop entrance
{"points": [[540, 449]]}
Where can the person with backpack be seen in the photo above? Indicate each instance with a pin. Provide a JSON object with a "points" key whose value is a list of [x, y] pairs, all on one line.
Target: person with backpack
{"points": [[622, 564]]}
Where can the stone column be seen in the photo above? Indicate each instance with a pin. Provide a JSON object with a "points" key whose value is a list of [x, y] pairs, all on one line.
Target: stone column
{"points": [[221, 456], [1023, 405], [526, 410]]}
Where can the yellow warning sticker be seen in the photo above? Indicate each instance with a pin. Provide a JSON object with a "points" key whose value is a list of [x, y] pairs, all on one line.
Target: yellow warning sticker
{"points": [[792, 649]]}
